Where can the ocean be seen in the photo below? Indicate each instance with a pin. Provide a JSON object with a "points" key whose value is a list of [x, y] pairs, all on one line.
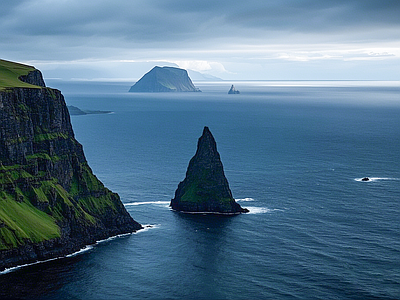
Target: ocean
{"points": [[294, 153]]}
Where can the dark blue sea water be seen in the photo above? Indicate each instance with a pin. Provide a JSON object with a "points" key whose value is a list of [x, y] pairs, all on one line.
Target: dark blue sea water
{"points": [[294, 153]]}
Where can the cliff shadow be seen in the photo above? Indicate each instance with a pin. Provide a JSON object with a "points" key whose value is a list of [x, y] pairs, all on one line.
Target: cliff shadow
{"points": [[36, 281]]}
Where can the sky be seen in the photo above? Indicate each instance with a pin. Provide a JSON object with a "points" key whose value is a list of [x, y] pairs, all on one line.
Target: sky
{"points": [[233, 40]]}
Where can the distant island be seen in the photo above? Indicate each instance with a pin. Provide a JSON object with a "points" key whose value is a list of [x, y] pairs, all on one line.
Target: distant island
{"points": [[197, 76], [75, 111], [205, 188], [233, 90], [164, 79]]}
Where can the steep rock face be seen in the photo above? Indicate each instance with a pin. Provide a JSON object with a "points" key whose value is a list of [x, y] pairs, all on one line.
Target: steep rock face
{"points": [[165, 79], [205, 187], [33, 77], [51, 204]]}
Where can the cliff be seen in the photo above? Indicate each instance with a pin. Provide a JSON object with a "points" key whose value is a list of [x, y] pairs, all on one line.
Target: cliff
{"points": [[51, 204], [164, 79], [205, 187]]}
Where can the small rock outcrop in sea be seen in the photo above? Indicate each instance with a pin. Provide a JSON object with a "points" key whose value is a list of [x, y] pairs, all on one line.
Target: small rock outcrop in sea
{"points": [[75, 111], [51, 203], [365, 179], [233, 90], [205, 188], [164, 79]]}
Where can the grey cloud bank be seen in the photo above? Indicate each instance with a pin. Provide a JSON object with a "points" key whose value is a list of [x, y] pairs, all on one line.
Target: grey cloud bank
{"points": [[230, 39]]}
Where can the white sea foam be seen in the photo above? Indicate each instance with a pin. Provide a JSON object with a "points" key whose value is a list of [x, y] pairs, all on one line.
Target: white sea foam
{"points": [[260, 210], [375, 179], [12, 269], [113, 237], [148, 202], [83, 250], [147, 227], [245, 200]]}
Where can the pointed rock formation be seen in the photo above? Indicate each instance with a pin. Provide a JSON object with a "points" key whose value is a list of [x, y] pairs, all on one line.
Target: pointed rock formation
{"points": [[205, 188], [233, 90]]}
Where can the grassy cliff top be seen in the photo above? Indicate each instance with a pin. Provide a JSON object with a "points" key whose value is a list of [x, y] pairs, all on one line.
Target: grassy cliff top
{"points": [[10, 73]]}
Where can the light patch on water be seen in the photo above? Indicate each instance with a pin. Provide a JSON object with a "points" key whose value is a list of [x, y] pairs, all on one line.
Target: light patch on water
{"points": [[147, 203], [244, 200], [260, 210]]}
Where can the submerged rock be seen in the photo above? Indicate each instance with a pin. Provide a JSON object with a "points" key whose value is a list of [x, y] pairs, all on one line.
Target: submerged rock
{"points": [[205, 188], [233, 90]]}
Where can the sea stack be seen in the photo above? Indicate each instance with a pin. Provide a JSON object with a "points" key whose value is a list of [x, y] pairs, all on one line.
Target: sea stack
{"points": [[233, 90], [205, 188]]}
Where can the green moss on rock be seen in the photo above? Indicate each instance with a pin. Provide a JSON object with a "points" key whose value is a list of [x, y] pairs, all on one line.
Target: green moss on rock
{"points": [[22, 222], [205, 187], [50, 136]]}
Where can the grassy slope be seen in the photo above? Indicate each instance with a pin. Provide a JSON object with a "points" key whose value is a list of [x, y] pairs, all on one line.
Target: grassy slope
{"points": [[22, 221], [18, 219], [10, 72]]}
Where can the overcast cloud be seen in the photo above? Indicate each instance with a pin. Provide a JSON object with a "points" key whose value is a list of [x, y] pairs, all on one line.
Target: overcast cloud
{"points": [[287, 39]]}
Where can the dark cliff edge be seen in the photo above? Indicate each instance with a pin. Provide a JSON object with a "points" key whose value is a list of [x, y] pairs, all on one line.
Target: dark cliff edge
{"points": [[164, 79], [51, 204], [205, 188], [33, 77]]}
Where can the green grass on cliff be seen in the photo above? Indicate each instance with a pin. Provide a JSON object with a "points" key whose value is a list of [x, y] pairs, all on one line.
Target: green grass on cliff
{"points": [[21, 220], [50, 136], [88, 181], [10, 72]]}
